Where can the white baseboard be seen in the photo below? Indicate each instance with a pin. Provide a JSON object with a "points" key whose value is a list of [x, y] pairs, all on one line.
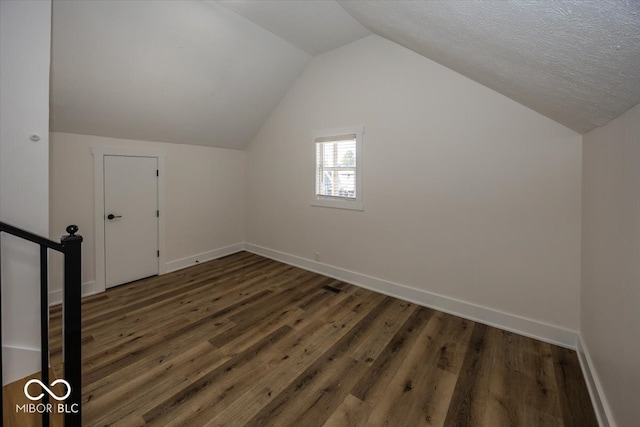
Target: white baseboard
{"points": [[203, 257], [486, 315], [598, 398], [489, 316], [19, 362], [88, 288]]}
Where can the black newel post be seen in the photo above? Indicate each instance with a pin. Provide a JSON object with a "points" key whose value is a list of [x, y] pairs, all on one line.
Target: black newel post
{"points": [[72, 312], [1, 359]]}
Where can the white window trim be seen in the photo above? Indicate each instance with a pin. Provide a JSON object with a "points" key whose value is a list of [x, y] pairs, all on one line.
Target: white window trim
{"points": [[332, 202]]}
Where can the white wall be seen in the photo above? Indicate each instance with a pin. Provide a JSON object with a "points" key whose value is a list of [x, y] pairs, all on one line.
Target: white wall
{"points": [[25, 28], [204, 197], [610, 294], [467, 194]]}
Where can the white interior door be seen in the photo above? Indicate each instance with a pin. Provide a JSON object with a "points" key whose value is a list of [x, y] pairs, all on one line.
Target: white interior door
{"points": [[130, 218]]}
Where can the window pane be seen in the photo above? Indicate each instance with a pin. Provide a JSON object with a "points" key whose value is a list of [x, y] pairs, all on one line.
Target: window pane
{"points": [[347, 182], [336, 168]]}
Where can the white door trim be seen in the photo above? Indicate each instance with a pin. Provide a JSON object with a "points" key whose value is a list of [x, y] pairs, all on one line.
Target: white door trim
{"points": [[98, 157]]}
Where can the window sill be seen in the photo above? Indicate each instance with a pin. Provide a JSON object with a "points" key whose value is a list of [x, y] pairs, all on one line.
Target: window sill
{"points": [[354, 205]]}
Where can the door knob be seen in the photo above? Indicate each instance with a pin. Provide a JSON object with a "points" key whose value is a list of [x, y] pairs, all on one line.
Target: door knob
{"points": [[112, 216]]}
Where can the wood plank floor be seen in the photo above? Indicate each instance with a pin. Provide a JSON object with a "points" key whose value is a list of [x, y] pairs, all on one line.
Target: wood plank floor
{"points": [[245, 340]]}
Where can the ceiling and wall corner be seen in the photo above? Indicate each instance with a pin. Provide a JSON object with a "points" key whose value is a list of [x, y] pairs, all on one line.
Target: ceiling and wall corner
{"points": [[576, 62], [314, 26]]}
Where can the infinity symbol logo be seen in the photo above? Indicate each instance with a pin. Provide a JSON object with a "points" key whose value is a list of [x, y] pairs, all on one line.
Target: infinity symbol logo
{"points": [[47, 389]]}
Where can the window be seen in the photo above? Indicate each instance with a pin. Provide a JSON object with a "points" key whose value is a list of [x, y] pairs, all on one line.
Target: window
{"points": [[338, 168]]}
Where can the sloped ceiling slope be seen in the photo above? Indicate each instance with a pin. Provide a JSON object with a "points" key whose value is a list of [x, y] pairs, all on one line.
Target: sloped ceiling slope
{"points": [[574, 61], [174, 71], [314, 26], [210, 72]]}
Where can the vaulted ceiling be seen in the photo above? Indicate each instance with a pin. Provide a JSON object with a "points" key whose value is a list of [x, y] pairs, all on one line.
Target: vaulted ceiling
{"points": [[211, 72], [574, 61], [172, 71]]}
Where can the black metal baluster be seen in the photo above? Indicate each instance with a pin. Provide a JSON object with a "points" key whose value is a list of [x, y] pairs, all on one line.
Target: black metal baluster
{"points": [[44, 328], [1, 380]]}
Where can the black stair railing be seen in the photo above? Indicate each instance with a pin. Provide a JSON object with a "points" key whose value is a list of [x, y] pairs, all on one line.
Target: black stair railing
{"points": [[70, 246]]}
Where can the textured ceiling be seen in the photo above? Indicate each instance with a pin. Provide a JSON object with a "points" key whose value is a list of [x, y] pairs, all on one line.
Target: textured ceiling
{"points": [[210, 72], [576, 62], [173, 71], [314, 26]]}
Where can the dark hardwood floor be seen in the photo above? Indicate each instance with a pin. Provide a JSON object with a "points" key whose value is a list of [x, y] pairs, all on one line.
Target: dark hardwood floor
{"points": [[245, 340]]}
